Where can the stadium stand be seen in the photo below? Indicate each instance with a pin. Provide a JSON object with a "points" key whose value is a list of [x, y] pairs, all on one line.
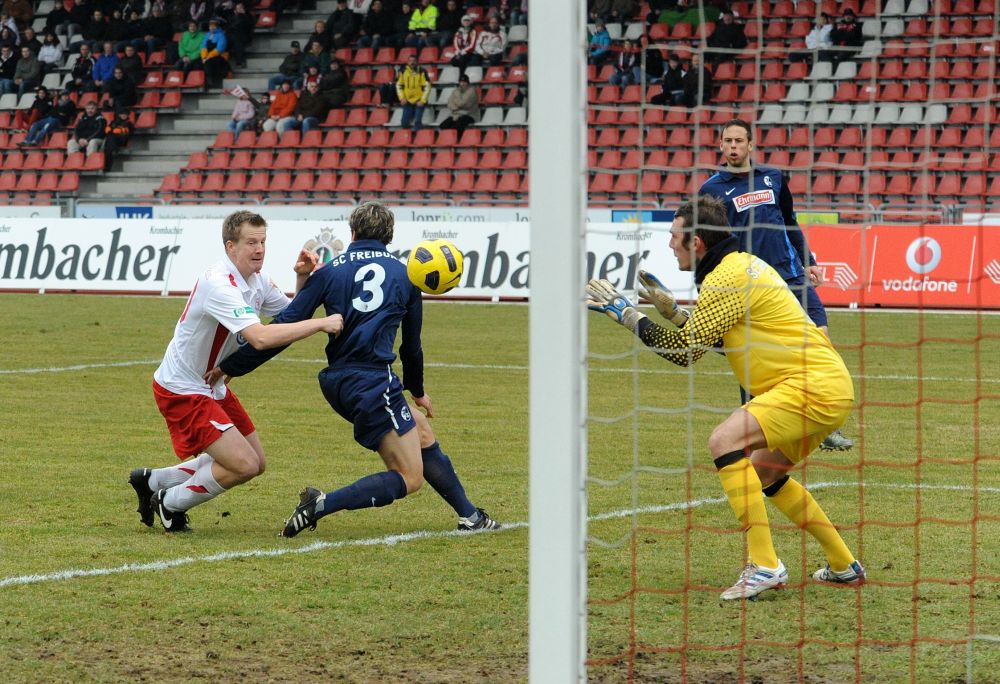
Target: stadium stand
{"points": [[914, 105]]}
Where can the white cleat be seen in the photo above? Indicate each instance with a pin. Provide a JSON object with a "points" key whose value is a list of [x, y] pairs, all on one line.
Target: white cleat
{"points": [[854, 575], [754, 580]]}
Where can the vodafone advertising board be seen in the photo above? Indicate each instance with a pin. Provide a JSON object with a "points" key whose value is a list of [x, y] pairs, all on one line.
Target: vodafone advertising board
{"points": [[909, 266], [88, 255]]}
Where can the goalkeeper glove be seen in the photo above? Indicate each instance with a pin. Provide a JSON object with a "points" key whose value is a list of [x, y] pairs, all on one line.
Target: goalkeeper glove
{"points": [[653, 290], [602, 296]]}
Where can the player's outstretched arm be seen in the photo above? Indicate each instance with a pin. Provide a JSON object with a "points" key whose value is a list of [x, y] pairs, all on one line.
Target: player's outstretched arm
{"points": [[604, 297], [662, 298], [262, 336]]}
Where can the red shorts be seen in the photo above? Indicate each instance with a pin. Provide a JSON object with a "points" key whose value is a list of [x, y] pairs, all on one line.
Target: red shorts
{"points": [[195, 421]]}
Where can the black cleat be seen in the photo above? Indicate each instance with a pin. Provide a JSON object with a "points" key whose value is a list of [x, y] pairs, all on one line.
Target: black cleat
{"points": [[304, 514], [485, 522], [172, 521], [139, 479]]}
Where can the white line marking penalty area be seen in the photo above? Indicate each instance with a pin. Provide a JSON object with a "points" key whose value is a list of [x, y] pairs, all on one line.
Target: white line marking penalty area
{"points": [[391, 540]]}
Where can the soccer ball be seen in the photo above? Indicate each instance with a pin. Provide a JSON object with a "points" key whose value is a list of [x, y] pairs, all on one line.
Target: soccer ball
{"points": [[434, 266]]}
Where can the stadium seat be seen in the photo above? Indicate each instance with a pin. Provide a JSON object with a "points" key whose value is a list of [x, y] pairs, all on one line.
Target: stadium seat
{"points": [[263, 160]]}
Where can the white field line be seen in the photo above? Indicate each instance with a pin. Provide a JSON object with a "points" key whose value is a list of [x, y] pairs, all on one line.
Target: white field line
{"points": [[498, 367], [391, 540]]}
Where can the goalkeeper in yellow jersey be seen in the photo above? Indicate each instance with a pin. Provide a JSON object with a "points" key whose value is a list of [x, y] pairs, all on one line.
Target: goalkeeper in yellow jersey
{"points": [[801, 388]]}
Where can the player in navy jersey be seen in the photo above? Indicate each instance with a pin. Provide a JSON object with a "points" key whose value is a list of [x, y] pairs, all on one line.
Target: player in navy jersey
{"points": [[759, 206], [369, 287]]}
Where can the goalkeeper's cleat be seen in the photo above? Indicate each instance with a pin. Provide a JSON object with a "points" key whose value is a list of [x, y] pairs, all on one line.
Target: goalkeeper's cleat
{"points": [[854, 575], [482, 521], [754, 580], [172, 521], [304, 514], [139, 479], [836, 441]]}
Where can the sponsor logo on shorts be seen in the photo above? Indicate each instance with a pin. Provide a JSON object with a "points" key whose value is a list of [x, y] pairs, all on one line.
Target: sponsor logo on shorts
{"points": [[753, 199]]}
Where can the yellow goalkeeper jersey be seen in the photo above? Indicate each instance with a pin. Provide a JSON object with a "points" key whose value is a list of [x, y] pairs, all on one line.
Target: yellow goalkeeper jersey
{"points": [[765, 333]]}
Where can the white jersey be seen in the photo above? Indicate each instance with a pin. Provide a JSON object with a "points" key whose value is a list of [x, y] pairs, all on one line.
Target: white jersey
{"points": [[221, 304]]}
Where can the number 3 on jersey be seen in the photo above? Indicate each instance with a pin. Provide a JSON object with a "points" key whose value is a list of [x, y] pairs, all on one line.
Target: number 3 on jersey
{"points": [[371, 285]]}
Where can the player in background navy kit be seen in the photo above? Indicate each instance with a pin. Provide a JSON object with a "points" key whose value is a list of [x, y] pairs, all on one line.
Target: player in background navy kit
{"points": [[759, 207], [369, 287]]}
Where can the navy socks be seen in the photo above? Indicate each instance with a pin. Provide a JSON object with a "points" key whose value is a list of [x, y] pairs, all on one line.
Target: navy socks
{"points": [[439, 474], [379, 489]]}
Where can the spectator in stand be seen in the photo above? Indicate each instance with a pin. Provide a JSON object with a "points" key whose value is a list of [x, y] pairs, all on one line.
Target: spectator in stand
{"points": [[401, 34], [121, 90], [463, 106], [491, 43], [51, 54], [28, 72], [243, 115], [519, 13], [9, 37], [82, 74], [30, 40], [134, 31], [198, 11], [89, 132], [312, 75], [104, 66], [423, 25], [21, 11], [157, 33], [627, 69], [342, 25], [464, 43], [319, 35], [376, 27], [697, 83], [189, 49], [617, 11], [282, 106], [360, 8], [62, 114], [8, 63], [116, 28], [317, 57], [600, 45], [260, 109], [818, 42], [66, 19], [310, 111], [335, 86], [448, 22], [847, 36], [728, 35], [413, 87], [290, 67], [117, 134], [672, 84], [240, 33], [214, 54], [654, 60], [40, 108], [131, 64]]}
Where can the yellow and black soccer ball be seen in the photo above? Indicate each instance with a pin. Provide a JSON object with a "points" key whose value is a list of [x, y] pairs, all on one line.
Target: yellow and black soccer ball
{"points": [[435, 266]]}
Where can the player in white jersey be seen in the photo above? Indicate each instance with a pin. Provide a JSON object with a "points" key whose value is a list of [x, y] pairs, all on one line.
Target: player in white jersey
{"points": [[223, 311]]}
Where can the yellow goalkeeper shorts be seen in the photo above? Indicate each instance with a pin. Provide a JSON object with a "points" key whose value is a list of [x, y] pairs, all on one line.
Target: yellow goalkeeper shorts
{"points": [[795, 422]]}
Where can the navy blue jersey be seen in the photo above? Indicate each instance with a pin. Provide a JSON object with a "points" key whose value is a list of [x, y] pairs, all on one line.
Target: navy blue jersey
{"points": [[369, 287], [761, 202]]}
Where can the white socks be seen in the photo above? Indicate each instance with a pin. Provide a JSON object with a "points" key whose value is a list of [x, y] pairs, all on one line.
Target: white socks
{"points": [[197, 489], [164, 478]]}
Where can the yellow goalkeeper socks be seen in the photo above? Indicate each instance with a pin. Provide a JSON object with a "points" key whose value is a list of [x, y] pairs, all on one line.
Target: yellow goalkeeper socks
{"points": [[743, 489], [798, 504]]}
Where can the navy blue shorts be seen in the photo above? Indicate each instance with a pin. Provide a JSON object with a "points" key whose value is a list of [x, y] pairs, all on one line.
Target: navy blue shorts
{"points": [[813, 306], [370, 399]]}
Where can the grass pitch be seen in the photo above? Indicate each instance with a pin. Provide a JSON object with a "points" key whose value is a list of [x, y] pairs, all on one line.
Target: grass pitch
{"points": [[89, 594]]}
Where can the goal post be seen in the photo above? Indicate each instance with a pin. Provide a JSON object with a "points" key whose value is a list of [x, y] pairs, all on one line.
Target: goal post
{"points": [[557, 385]]}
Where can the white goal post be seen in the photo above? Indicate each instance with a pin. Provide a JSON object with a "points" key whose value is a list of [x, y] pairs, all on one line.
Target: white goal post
{"points": [[557, 384]]}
